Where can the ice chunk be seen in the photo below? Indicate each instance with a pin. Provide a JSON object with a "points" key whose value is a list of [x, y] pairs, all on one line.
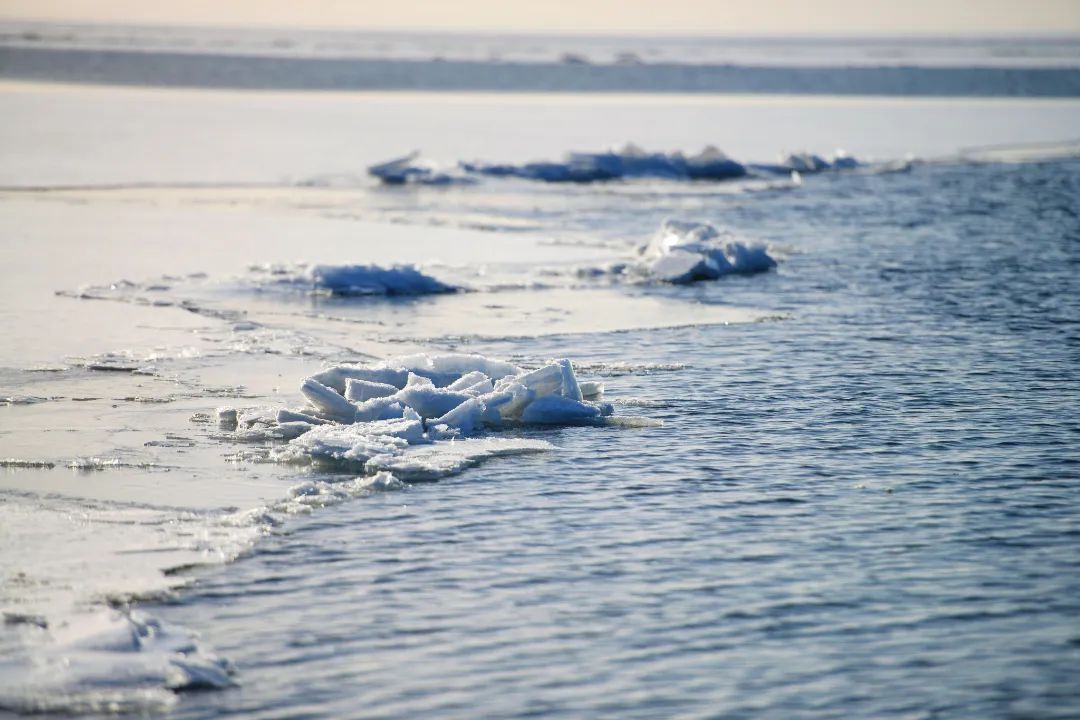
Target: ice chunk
{"points": [[284, 416], [748, 258], [361, 390], [430, 401], [466, 417], [336, 377], [292, 429], [411, 169], [511, 409], [804, 163], [399, 170], [570, 388], [542, 381], [382, 408], [455, 364], [353, 280], [328, 402], [481, 388], [711, 164], [843, 161], [686, 267], [557, 410], [591, 389], [359, 442], [467, 380], [227, 417]]}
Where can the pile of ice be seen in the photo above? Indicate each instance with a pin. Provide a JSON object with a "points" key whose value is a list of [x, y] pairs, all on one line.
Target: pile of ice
{"points": [[629, 162], [353, 280], [685, 252], [414, 415]]}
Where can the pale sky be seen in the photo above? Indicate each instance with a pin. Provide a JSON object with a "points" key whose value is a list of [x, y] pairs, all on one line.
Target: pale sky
{"points": [[835, 17]]}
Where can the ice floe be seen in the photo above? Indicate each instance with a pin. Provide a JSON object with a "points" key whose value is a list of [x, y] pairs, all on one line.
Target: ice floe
{"points": [[423, 416]]}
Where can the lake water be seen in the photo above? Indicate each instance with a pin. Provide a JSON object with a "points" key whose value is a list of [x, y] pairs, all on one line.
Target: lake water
{"points": [[861, 502]]}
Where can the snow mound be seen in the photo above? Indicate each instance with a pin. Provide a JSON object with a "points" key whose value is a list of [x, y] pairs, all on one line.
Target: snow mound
{"points": [[417, 416], [685, 252]]}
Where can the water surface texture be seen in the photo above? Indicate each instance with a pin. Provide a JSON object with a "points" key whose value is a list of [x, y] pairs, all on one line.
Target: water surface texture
{"points": [[867, 509]]}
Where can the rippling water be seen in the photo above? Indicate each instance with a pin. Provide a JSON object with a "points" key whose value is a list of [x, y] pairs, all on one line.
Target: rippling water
{"points": [[867, 509], [862, 501]]}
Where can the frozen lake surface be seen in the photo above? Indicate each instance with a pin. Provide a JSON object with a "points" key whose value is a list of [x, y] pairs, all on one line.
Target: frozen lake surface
{"points": [[855, 495]]}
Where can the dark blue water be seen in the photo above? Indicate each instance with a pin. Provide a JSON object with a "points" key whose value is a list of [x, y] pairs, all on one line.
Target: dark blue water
{"points": [[867, 507]]}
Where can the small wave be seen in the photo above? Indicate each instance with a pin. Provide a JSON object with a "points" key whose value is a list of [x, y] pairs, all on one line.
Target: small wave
{"points": [[620, 367]]}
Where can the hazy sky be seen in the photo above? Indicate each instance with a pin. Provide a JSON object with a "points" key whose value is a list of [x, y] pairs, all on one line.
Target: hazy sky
{"points": [[586, 16]]}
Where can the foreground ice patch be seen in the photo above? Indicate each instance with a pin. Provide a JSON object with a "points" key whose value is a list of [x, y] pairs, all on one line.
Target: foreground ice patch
{"points": [[418, 416], [103, 661]]}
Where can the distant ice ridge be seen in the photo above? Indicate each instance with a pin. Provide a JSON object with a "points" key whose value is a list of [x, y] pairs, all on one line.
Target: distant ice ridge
{"points": [[685, 252], [357, 280], [630, 162], [418, 416]]}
